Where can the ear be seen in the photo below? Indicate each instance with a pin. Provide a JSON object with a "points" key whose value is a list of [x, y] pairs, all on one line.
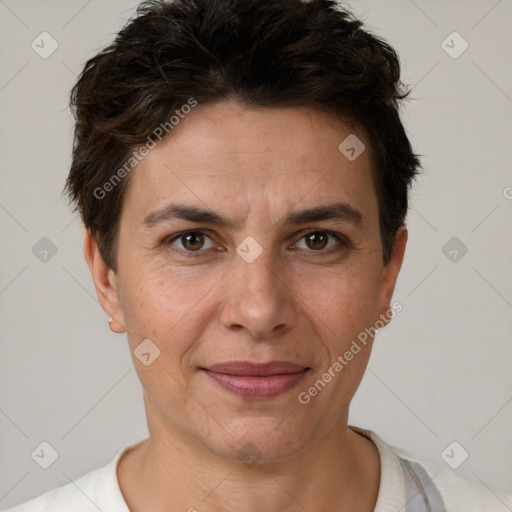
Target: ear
{"points": [[390, 274], [105, 282]]}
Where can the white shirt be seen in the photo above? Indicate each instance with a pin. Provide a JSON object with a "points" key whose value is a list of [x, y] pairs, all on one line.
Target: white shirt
{"points": [[406, 485]]}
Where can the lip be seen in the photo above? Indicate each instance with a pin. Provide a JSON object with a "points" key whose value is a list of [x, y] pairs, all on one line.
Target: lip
{"points": [[256, 381]]}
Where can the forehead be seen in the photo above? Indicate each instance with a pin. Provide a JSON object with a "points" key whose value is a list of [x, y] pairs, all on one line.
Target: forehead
{"points": [[231, 157]]}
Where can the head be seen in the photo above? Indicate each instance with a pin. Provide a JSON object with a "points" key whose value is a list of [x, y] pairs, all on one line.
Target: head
{"points": [[242, 174]]}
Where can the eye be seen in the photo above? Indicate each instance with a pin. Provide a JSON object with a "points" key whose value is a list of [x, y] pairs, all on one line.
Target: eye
{"points": [[192, 241], [317, 240]]}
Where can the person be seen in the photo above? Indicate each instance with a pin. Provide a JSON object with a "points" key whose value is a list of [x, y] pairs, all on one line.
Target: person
{"points": [[242, 174]]}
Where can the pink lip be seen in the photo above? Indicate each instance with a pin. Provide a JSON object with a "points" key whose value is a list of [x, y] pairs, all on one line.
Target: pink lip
{"points": [[255, 381]]}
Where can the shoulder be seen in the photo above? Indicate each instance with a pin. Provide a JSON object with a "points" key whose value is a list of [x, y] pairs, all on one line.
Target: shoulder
{"points": [[459, 494], [79, 496], [96, 490], [413, 484]]}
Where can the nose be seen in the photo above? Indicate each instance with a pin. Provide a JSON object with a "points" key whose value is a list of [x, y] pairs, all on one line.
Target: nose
{"points": [[259, 299]]}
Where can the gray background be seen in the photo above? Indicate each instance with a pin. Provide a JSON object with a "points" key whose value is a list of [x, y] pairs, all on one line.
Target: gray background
{"points": [[441, 372]]}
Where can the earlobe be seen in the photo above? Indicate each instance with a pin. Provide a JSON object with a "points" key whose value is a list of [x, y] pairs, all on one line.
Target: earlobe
{"points": [[105, 282], [115, 326]]}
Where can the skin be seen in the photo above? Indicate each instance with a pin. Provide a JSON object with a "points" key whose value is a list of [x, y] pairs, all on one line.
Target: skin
{"points": [[296, 302]]}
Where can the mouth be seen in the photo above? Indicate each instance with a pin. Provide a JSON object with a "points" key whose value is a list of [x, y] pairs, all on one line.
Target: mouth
{"points": [[256, 381]]}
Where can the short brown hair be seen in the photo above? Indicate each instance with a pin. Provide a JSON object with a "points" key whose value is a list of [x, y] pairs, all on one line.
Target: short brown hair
{"points": [[261, 52]]}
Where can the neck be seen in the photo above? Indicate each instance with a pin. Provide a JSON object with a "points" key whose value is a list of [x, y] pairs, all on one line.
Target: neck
{"points": [[340, 472]]}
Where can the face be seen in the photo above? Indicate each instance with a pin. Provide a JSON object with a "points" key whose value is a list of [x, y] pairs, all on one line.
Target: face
{"points": [[247, 237]]}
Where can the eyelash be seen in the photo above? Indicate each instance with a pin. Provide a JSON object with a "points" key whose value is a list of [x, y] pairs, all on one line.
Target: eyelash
{"points": [[343, 242]]}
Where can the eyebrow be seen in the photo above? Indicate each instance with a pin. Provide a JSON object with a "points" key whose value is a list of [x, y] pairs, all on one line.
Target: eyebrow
{"points": [[342, 212], [185, 212]]}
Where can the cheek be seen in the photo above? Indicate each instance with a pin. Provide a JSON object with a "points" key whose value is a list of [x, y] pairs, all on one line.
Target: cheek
{"points": [[344, 301], [158, 302]]}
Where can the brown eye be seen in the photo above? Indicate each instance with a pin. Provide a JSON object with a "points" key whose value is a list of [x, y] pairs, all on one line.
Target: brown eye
{"points": [[323, 242], [316, 240], [192, 241]]}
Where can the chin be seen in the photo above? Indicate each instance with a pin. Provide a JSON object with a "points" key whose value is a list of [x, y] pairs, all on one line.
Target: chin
{"points": [[259, 440]]}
